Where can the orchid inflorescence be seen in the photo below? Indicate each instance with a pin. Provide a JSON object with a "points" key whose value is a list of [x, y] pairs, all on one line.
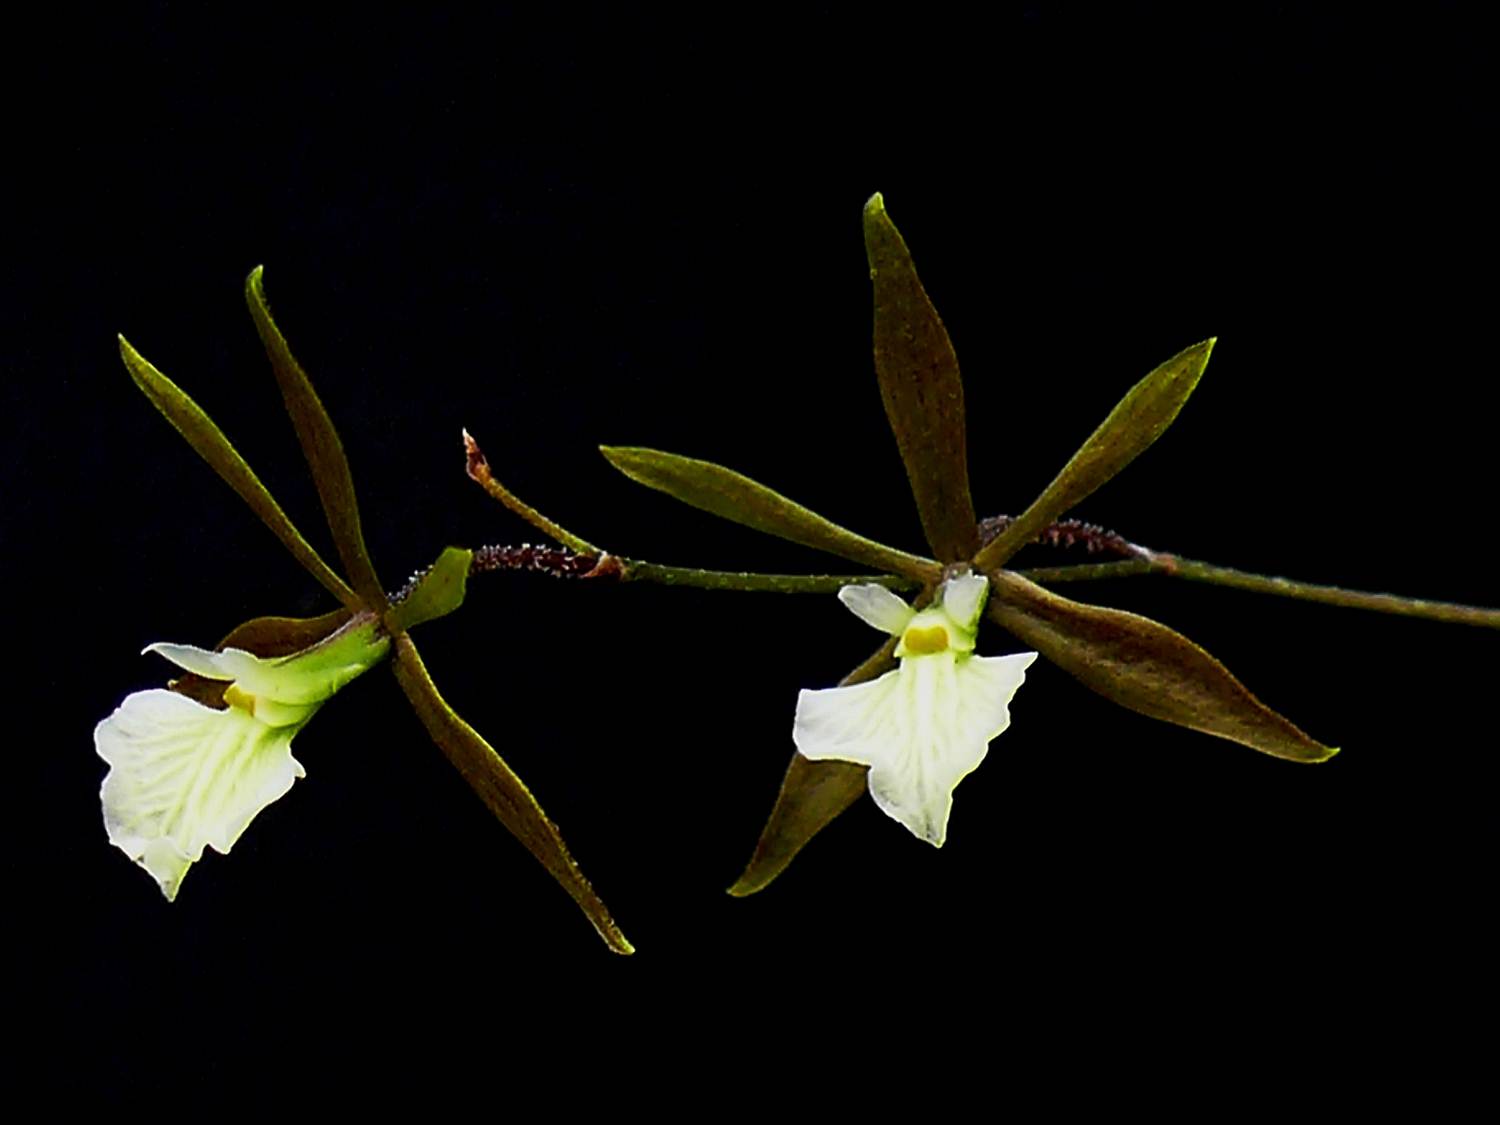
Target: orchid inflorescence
{"points": [[191, 765]]}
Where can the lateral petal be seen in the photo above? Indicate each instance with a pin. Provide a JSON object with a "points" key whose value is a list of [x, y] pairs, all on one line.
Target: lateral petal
{"points": [[877, 607]]}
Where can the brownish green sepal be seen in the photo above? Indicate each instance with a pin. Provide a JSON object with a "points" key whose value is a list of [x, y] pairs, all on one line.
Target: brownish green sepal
{"points": [[266, 637], [499, 788], [728, 494], [435, 594], [1141, 417], [1144, 666], [210, 443], [321, 445], [921, 389], [812, 794]]}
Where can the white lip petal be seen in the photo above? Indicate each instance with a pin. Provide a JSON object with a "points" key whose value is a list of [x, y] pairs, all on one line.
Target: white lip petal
{"points": [[847, 724], [921, 729], [184, 776], [877, 606]]}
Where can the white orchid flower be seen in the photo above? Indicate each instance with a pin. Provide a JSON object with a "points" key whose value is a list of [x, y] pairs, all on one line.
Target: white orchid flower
{"points": [[183, 776], [924, 727]]}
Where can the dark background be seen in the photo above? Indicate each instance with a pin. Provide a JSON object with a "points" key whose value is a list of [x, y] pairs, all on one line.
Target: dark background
{"points": [[643, 228]]}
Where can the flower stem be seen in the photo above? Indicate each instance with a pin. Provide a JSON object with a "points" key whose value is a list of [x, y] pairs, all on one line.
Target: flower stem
{"points": [[1087, 571], [1195, 571], [1142, 560], [581, 559], [633, 570], [1174, 566], [562, 563]]}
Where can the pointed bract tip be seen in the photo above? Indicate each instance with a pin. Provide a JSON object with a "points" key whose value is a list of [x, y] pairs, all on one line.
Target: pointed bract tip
{"points": [[255, 285], [1198, 354], [475, 463], [875, 204], [133, 359], [1323, 754]]}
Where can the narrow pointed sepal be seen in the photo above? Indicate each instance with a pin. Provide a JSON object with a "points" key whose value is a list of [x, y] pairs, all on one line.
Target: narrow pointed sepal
{"points": [[209, 442], [812, 794], [877, 607], [265, 637], [733, 496], [500, 789], [1139, 418], [922, 391], [1145, 666], [322, 447]]}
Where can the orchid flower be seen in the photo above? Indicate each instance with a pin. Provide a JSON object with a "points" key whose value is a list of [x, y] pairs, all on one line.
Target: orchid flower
{"points": [[184, 775], [191, 766], [908, 736], [927, 725]]}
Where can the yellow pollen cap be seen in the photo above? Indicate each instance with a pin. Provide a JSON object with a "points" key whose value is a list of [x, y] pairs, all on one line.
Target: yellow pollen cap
{"points": [[236, 697], [922, 642]]}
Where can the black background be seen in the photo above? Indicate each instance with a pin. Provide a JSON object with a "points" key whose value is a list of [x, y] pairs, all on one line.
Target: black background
{"points": [[643, 228]]}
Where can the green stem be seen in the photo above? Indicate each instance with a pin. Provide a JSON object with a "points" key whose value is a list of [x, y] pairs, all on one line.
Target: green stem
{"points": [[597, 564], [1084, 572], [1174, 566], [1195, 571], [634, 570]]}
